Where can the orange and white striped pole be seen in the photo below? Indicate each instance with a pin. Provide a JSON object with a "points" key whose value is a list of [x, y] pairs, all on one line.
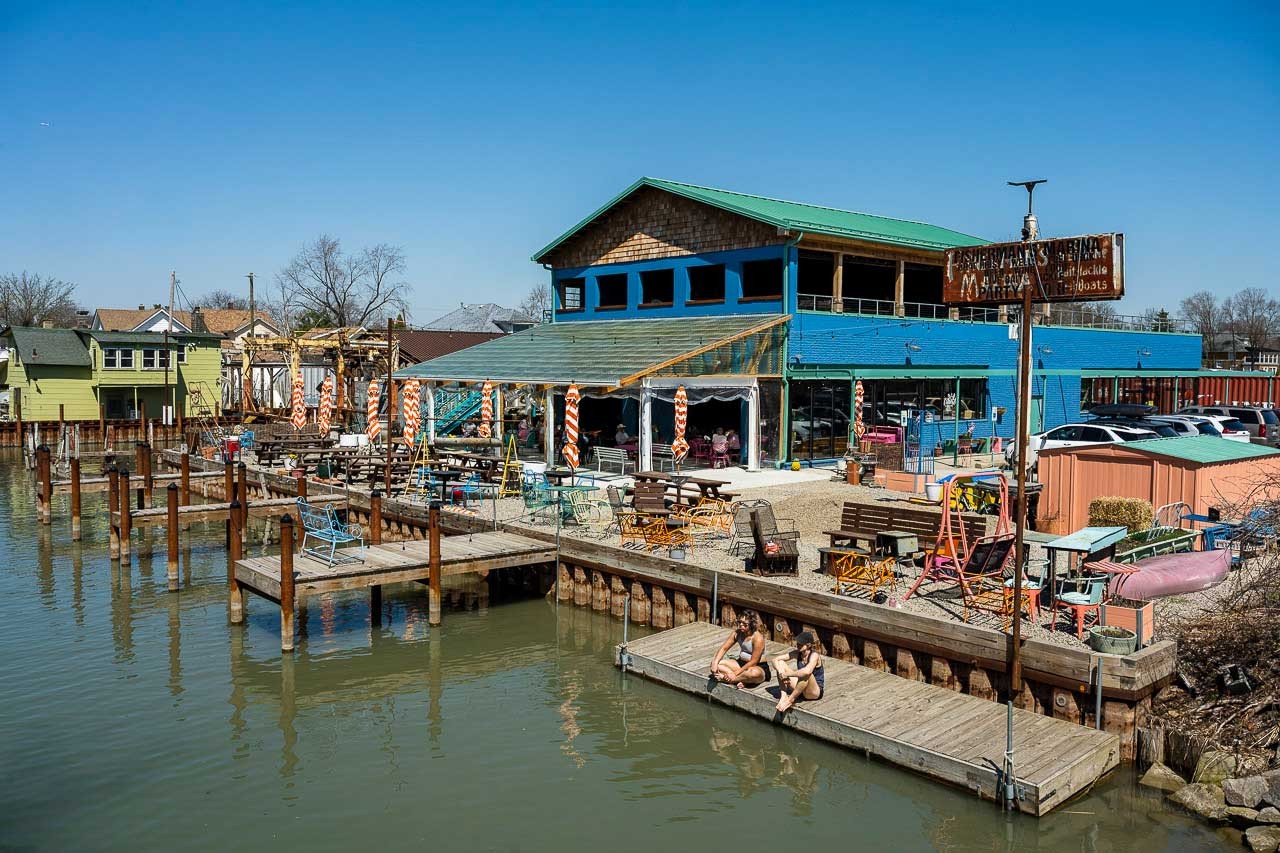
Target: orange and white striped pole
{"points": [[486, 410], [571, 398], [372, 428]]}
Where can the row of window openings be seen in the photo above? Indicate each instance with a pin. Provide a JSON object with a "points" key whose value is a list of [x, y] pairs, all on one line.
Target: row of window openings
{"points": [[761, 280], [151, 358]]}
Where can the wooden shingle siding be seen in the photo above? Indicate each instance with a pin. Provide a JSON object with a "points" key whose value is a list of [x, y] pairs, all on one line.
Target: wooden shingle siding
{"points": [[653, 224]]}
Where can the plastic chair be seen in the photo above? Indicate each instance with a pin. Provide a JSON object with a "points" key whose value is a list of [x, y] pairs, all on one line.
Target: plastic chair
{"points": [[1088, 595]]}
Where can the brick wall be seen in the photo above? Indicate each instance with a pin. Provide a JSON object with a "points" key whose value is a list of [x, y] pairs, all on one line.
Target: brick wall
{"points": [[651, 224]]}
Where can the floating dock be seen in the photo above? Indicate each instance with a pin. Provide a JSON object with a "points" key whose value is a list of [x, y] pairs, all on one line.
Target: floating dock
{"points": [[943, 734]]}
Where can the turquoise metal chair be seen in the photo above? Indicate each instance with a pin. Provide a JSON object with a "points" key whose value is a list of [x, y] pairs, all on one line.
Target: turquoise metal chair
{"points": [[1088, 595]]}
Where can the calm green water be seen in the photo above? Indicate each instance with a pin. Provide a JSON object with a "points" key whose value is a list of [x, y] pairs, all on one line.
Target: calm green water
{"points": [[134, 718]]}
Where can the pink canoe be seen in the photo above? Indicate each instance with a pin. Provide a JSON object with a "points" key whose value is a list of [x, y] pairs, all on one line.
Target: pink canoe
{"points": [[1172, 574]]}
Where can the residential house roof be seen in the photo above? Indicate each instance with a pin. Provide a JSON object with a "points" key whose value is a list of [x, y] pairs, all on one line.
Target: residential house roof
{"points": [[154, 338], [482, 317], [794, 216], [40, 346], [600, 352], [219, 321], [423, 345]]}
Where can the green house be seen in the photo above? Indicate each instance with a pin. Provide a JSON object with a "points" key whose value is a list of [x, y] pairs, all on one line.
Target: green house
{"points": [[121, 374]]}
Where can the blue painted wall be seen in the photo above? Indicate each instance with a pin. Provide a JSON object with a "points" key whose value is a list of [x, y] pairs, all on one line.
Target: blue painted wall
{"points": [[733, 287], [835, 342]]}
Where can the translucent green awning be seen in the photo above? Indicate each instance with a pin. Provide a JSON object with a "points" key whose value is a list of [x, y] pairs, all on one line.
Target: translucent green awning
{"points": [[612, 353]]}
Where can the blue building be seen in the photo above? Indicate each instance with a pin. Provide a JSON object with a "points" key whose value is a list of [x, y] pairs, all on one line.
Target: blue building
{"points": [[770, 311]]}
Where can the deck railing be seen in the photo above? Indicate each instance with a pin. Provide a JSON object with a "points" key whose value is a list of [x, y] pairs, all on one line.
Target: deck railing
{"points": [[1075, 318]]}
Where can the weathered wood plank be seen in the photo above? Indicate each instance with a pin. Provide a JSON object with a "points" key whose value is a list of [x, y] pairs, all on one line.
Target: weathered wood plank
{"points": [[947, 735]]}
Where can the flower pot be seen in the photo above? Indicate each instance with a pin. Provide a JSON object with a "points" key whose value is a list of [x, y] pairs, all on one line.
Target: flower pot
{"points": [[1139, 620], [933, 492], [1112, 640]]}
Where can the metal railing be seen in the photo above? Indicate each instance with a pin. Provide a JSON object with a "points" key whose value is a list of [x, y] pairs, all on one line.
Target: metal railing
{"points": [[1070, 317]]}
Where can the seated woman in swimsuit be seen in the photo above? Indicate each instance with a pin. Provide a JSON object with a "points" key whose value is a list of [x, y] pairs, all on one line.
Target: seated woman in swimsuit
{"points": [[800, 673], [740, 658]]}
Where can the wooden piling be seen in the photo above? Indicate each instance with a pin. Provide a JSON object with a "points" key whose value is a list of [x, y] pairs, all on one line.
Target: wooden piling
{"points": [[148, 482], [139, 468], [44, 473], [286, 583], [375, 538], [235, 596], [302, 486], [242, 494], [113, 507], [228, 481], [75, 498], [125, 515], [102, 425], [172, 529], [433, 538]]}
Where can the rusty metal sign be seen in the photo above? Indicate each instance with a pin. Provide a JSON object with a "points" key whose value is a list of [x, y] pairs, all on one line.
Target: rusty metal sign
{"points": [[1064, 269]]}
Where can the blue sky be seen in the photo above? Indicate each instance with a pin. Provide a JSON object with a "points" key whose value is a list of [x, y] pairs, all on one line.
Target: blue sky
{"points": [[138, 138]]}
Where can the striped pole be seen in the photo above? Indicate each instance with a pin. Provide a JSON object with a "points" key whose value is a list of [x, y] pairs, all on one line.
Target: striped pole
{"points": [[372, 428], [571, 398], [486, 410]]}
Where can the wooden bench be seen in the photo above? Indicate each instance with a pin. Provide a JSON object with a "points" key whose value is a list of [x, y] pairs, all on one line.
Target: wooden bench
{"points": [[860, 522], [612, 456]]}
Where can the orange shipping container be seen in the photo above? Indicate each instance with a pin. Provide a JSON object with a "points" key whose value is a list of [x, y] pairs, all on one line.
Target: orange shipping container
{"points": [[1203, 471]]}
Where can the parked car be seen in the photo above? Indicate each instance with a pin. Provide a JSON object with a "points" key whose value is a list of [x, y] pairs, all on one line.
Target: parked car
{"points": [[1229, 427], [1073, 435], [1263, 424], [1159, 428]]}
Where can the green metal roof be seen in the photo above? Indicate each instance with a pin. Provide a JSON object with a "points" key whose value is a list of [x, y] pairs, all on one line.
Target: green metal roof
{"points": [[795, 216], [603, 352], [38, 346], [1205, 449]]}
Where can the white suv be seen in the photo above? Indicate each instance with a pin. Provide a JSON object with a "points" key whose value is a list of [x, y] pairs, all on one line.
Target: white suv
{"points": [[1263, 424], [1228, 428], [1072, 435]]}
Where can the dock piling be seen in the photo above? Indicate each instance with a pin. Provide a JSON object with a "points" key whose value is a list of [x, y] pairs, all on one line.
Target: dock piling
{"points": [[113, 507], [433, 578], [235, 596], [148, 482], [228, 481], [286, 583], [172, 530], [242, 487], [186, 483], [125, 512], [375, 538], [302, 487], [44, 468], [75, 498]]}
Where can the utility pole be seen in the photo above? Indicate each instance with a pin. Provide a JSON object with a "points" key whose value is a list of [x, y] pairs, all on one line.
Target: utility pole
{"points": [[247, 362], [1030, 232], [171, 402]]}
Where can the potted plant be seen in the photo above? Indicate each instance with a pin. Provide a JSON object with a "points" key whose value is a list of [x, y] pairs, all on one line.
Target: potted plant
{"points": [[1111, 640], [1136, 616]]}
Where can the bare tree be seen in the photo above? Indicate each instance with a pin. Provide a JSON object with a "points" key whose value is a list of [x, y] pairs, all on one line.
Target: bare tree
{"points": [[220, 298], [1201, 309], [1255, 316], [31, 299], [323, 282], [537, 302]]}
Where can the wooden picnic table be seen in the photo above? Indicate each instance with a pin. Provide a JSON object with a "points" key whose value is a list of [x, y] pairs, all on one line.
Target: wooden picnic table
{"points": [[706, 486]]}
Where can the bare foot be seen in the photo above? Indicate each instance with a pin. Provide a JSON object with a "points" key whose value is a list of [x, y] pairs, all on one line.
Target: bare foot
{"points": [[784, 704]]}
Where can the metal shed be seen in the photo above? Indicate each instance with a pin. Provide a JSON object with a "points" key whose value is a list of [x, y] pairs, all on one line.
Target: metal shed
{"points": [[1202, 471]]}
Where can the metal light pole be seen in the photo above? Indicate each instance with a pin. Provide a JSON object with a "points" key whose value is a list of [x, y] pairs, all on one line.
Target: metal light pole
{"points": [[1030, 231]]}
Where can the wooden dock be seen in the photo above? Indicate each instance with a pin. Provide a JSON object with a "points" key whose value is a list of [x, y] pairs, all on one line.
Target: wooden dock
{"points": [[266, 508], [286, 578], [943, 734], [103, 484], [396, 562]]}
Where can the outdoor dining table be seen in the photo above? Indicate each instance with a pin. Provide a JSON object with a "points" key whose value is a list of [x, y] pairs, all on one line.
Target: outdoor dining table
{"points": [[1085, 543]]}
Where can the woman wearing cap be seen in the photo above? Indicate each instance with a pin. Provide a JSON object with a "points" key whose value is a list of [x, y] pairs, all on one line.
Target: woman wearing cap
{"points": [[800, 673], [744, 666]]}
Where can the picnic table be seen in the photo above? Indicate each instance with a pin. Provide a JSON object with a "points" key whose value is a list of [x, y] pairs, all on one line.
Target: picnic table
{"points": [[706, 486]]}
